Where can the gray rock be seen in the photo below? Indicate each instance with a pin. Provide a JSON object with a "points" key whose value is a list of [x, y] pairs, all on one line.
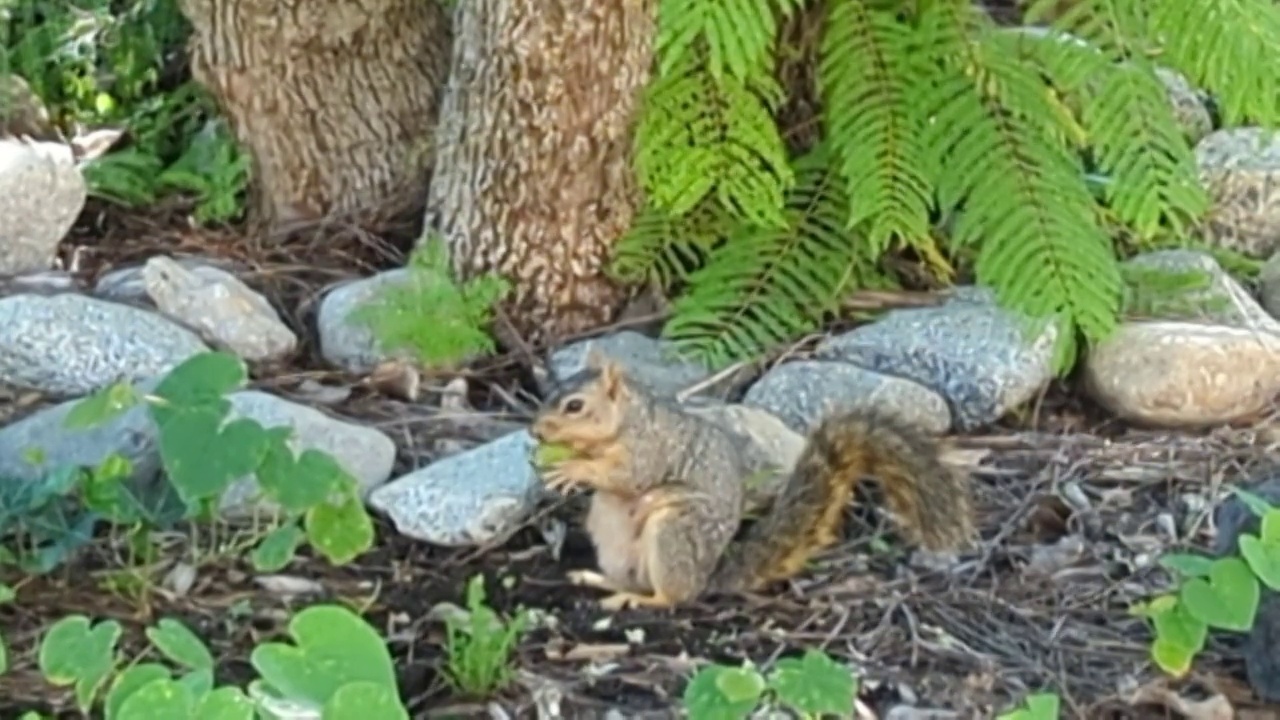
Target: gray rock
{"points": [[470, 498], [73, 345], [1240, 167], [345, 342], [222, 309], [647, 360], [41, 194], [1189, 106], [1269, 280], [804, 392], [40, 443], [972, 352], [1221, 300]]}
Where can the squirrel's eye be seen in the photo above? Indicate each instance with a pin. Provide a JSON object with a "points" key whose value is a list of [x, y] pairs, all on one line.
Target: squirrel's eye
{"points": [[573, 406]]}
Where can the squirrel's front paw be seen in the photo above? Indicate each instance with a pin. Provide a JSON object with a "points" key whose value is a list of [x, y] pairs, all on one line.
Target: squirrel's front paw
{"points": [[558, 480]]}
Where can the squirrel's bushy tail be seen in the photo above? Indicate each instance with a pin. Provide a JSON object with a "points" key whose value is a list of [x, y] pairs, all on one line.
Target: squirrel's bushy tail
{"points": [[929, 500]]}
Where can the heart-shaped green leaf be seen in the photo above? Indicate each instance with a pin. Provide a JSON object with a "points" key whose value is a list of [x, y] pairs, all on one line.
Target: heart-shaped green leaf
{"points": [[180, 645], [814, 684], [225, 703], [705, 699], [159, 700], [1187, 564], [1263, 558], [74, 652], [1177, 626], [333, 647], [1228, 599], [129, 682]]}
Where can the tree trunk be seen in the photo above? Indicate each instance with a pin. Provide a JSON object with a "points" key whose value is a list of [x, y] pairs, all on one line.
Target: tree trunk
{"points": [[334, 99], [534, 178]]}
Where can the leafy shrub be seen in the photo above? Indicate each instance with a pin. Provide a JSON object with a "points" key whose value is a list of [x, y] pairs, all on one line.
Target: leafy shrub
{"points": [[438, 320], [1221, 593], [943, 136]]}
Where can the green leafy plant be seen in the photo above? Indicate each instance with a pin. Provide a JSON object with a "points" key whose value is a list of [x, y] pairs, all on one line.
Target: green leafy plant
{"points": [[479, 644], [1219, 593], [337, 666], [203, 451], [438, 320], [1028, 158], [812, 685]]}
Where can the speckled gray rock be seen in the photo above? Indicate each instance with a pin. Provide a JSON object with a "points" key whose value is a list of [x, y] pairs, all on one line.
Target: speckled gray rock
{"points": [[41, 194], [39, 443], [647, 360], [347, 343], [1240, 167], [976, 355], [72, 345], [469, 498], [1198, 356], [803, 392], [1222, 300], [225, 311]]}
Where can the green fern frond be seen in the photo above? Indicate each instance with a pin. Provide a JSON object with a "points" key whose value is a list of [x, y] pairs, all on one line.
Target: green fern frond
{"points": [[1025, 202], [739, 35], [1226, 47], [665, 248], [765, 286], [699, 137], [866, 76]]}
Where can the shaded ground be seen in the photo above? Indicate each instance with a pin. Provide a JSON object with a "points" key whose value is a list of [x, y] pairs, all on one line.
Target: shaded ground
{"points": [[1041, 604]]}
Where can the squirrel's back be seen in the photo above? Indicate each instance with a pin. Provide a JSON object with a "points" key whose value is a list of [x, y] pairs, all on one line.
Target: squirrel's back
{"points": [[929, 500]]}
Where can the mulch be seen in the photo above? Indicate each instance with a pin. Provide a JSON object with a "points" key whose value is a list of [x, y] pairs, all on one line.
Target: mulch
{"points": [[1075, 509]]}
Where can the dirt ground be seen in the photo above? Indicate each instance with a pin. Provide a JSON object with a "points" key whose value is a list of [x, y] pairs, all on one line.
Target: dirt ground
{"points": [[1074, 512]]}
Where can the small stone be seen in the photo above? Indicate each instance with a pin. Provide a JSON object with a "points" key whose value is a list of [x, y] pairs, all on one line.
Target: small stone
{"points": [[1269, 282], [73, 345], [973, 353], [471, 498], [1240, 168], [804, 392], [649, 361], [222, 309], [1200, 356]]}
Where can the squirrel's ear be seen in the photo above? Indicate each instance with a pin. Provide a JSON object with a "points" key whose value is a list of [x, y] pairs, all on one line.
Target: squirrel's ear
{"points": [[611, 376], [596, 360]]}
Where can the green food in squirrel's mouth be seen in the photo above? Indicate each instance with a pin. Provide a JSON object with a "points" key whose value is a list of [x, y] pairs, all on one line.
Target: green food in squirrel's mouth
{"points": [[551, 453]]}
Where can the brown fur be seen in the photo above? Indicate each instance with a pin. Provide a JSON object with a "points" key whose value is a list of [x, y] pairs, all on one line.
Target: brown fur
{"points": [[669, 489]]}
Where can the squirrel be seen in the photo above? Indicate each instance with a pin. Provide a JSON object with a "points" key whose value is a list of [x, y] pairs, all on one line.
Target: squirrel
{"points": [[669, 489]]}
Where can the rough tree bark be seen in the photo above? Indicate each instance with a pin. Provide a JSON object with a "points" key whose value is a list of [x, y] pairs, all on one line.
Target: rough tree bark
{"points": [[534, 178], [334, 99]]}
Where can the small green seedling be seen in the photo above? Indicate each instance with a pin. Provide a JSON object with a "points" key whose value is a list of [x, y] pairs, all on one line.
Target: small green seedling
{"points": [[1041, 706], [479, 644]]}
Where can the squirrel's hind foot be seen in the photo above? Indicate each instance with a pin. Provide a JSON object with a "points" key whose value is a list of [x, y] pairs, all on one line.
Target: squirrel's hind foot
{"points": [[591, 578], [624, 600]]}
